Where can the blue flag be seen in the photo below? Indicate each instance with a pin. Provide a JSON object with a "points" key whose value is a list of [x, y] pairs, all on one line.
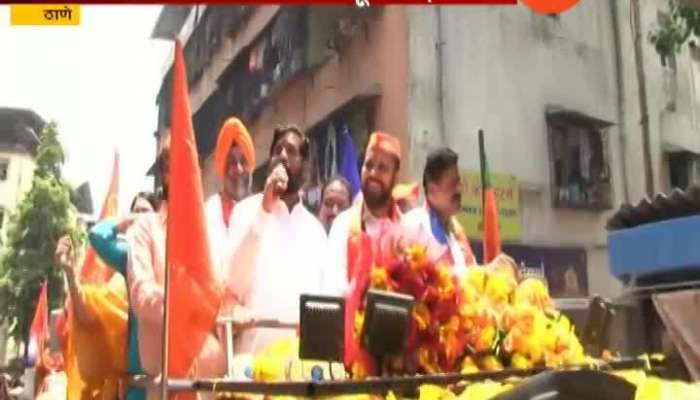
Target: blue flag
{"points": [[347, 161]]}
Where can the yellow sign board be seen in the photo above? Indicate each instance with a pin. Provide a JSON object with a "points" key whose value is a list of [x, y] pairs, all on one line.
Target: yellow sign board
{"points": [[507, 192], [45, 14]]}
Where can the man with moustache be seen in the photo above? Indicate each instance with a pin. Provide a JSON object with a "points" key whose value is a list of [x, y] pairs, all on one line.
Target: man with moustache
{"points": [[435, 221], [355, 234], [277, 247], [234, 161], [376, 213], [145, 273]]}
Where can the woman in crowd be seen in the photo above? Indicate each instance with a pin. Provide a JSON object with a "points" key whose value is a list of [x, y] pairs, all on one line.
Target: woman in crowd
{"points": [[107, 240], [97, 313], [335, 198]]}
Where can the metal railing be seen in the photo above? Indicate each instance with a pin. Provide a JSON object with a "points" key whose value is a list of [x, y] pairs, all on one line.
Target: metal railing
{"points": [[381, 385]]}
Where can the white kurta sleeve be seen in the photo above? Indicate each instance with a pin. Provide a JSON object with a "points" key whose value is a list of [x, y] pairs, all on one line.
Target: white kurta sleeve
{"points": [[248, 221], [335, 272]]}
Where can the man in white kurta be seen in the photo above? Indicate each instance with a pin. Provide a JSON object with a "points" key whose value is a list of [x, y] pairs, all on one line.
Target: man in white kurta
{"points": [[278, 248]]}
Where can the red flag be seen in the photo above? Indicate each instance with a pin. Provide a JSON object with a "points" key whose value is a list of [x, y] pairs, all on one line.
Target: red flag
{"points": [[39, 331], [94, 270], [492, 234], [193, 293]]}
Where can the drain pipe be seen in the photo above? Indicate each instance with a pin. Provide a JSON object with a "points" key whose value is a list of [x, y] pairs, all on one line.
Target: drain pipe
{"points": [[620, 83], [440, 75], [643, 107]]}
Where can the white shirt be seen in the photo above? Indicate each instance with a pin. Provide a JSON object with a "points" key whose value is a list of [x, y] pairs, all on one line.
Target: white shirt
{"points": [[335, 279], [417, 222], [217, 230], [274, 258]]}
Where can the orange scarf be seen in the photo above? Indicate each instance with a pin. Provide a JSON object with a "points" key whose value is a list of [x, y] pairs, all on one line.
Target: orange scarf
{"points": [[461, 237]]}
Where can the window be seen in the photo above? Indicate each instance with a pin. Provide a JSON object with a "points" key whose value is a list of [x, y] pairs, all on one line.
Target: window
{"points": [[4, 165], [683, 168], [679, 170], [580, 173]]}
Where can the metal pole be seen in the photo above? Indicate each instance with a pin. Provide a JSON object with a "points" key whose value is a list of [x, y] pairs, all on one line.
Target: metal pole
{"points": [[166, 322], [482, 165], [643, 106], [228, 326]]}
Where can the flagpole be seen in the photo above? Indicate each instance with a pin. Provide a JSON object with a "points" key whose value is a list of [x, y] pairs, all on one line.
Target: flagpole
{"points": [[166, 322], [482, 164]]}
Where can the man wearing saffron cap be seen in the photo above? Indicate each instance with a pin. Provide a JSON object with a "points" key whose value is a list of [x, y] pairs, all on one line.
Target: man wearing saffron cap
{"points": [[234, 160], [435, 221], [356, 232]]}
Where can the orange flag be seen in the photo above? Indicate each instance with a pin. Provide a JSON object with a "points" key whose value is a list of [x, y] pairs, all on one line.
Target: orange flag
{"points": [[39, 330], [193, 294], [94, 270], [492, 233]]}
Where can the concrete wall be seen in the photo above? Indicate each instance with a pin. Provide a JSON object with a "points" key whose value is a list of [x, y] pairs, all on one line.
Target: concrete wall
{"points": [[673, 97], [19, 181], [375, 62], [501, 67]]}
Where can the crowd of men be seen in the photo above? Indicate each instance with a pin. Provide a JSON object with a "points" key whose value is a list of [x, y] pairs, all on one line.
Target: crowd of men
{"points": [[267, 248]]}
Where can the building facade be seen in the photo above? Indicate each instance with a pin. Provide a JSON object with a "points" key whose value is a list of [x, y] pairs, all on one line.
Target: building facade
{"points": [[558, 98]]}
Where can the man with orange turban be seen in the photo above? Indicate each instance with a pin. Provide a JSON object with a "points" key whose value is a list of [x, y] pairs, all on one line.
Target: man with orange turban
{"points": [[234, 161], [355, 234]]}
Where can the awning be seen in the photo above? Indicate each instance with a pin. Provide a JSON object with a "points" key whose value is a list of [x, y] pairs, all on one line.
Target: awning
{"points": [[679, 313]]}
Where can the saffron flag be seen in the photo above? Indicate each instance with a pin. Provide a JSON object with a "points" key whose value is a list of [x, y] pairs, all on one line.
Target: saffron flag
{"points": [[190, 272], [39, 331], [94, 270], [492, 235]]}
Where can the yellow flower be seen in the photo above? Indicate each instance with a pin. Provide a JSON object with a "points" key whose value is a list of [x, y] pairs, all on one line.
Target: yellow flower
{"points": [[476, 278], [470, 293], [498, 289], [534, 292], [268, 369], [421, 315], [469, 366], [379, 278], [519, 361], [417, 256], [359, 322], [484, 390], [491, 363], [358, 370], [444, 275], [485, 339], [434, 392], [428, 360]]}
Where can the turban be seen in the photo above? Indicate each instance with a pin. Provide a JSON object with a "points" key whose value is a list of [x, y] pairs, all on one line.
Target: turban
{"points": [[384, 142], [233, 132], [406, 191]]}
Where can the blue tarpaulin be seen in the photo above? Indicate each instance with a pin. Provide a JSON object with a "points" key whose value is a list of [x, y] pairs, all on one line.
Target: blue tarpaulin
{"points": [[661, 247]]}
